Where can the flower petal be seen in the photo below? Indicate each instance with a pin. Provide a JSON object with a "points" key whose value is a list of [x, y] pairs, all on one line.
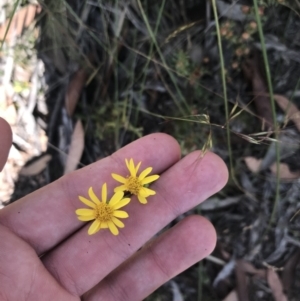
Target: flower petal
{"points": [[127, 164], [145, 192], [93, 196], [145, 173], [120, 188], [94, 227], [99, 227], [132, 168], [104, 225], [117, 197], [122, 203], [120, 214], [118, 178], [150, 179], [87, 202], [137, 167], [118, 223], [149, 191], [112, 227], [104, 193], [85, 218], [142, 199], [85, 212]]}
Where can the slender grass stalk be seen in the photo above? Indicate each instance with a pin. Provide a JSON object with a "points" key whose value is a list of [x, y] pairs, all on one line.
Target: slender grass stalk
{"points": [[296, 88], [9, 23], [150, 54], [115, 54], [116, 103], [200, 281], [223, 75], [270, 88], [151, 33], [57, 22]]}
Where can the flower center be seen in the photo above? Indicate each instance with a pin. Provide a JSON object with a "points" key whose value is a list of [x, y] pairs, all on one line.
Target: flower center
{"points": [[133, 185], [104, 212]]}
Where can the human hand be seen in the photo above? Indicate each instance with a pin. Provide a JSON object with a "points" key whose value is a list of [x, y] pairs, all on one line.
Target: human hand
{"points": [[46, 253]]}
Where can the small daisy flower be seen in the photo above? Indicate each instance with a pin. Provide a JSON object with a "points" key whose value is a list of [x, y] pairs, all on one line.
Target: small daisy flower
{"points": [[136, 184], [105, 214]]}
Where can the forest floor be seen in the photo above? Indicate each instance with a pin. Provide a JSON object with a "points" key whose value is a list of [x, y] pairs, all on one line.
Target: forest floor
{"points": [[81, 79]]}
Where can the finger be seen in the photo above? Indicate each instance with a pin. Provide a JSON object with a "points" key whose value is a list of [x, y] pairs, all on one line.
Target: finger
{"points": [[179, 189], [22, 275], [174, 251], [47, 216], [6, 141]]}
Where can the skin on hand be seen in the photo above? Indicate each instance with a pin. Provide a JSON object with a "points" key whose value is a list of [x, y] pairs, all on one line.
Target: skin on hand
{"points": [[103, 266]]}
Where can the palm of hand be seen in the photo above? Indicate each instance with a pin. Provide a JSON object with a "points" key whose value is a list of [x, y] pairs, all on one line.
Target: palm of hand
{"points": [[46, 253]]}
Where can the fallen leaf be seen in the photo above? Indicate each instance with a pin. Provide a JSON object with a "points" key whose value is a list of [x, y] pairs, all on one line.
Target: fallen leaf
{"points": [[21, 19], [276, 286], [36, 166], [232, 296], [76, 148], [253, 163], [177, 295], [74, 89], [222, 282], [242, 268], [251, 269], [284, 172], [287, 147], [241, 281], [292, 112], [217, 204], [261, 98], [289, 271]]}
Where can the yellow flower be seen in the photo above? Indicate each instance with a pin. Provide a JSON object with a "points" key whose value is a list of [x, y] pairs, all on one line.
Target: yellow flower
{"points": [[105, 214], [136, 184]]}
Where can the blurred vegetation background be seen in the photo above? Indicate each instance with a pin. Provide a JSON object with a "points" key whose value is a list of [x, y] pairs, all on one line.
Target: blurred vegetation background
{"points": [[81, 79]]}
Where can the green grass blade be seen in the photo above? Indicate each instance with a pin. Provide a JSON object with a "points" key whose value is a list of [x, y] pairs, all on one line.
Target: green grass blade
{"points": [[270, 88], [223, 75], [171, 75]]}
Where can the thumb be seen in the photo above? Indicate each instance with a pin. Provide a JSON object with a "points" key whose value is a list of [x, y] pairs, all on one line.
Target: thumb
{"points": [[5, 141]]}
